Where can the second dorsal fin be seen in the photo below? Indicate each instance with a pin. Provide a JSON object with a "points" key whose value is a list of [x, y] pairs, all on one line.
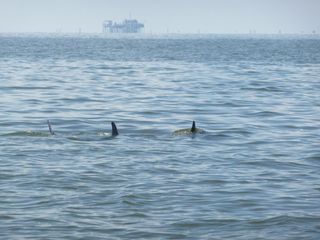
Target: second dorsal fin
{"points": [[50, 128]]}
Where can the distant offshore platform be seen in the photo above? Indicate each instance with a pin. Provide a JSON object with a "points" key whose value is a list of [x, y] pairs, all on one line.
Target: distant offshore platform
{"points": [[127, 26]]}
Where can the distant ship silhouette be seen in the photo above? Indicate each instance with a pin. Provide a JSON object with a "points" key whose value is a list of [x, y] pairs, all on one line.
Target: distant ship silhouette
{"points": [[127, 26]]}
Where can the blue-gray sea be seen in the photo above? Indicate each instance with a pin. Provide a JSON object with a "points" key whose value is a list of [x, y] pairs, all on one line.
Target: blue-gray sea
{"points": [[253, 174]]}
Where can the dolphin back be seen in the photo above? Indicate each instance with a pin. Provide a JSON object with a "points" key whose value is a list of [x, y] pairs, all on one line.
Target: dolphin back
{"points": [[189, 131]]}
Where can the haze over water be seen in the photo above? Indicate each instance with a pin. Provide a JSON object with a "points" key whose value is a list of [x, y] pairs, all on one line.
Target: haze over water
{"points": [[254, 174]]}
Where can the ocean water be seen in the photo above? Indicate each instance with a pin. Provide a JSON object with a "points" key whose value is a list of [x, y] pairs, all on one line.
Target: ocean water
{"points": [[253, 174]]}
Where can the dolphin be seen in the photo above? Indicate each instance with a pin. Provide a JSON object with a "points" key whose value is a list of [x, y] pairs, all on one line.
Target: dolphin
{"points": [[113, 133], [50, 128], [114, 129], [189, 131]]}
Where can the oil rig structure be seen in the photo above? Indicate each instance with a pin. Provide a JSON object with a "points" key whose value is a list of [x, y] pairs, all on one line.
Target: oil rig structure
{"points": [[127, 26]]}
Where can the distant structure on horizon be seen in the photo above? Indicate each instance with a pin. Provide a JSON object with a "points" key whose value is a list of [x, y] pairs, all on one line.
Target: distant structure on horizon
{"points": [[127, 26]]}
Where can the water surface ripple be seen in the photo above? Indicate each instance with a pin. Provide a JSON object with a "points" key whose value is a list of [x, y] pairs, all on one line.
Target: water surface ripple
{"points": [[254, 174]]}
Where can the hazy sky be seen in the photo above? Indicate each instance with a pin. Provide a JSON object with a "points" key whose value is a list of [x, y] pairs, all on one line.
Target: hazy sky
{"points": [[161, 16]]}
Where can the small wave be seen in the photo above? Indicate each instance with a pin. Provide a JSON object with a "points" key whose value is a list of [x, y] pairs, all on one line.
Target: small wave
{"points": [[85, 137], [136, 215], [213, 182], [216, 136], [6, 217], [285, 219], [314, 159], [79, 100], [263, 89], [26, 134], [266, 114], [134, 199], [252, 72], [27, 88], [207, 222], [235, 131]]}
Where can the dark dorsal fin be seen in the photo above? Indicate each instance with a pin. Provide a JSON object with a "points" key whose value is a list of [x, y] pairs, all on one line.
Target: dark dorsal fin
{"points": [[50, 128], [193, 128], [114, 129]]}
